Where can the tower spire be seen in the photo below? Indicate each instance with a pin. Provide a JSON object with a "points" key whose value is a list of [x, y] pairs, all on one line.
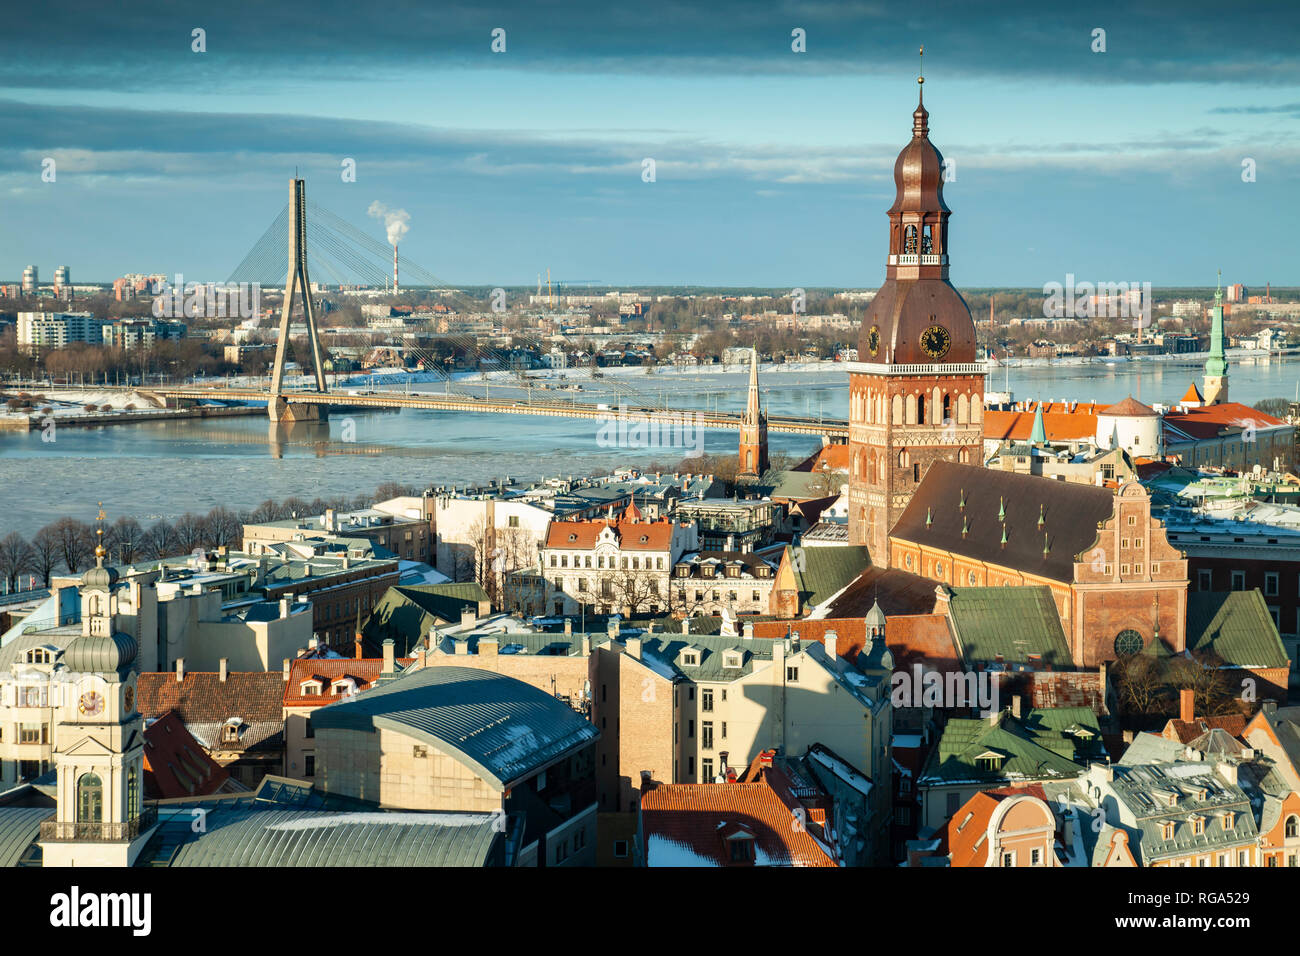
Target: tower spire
{"points": [[1216, 366]]}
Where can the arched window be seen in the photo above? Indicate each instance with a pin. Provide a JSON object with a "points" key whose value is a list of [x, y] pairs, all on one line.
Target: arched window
{"points": [[963, 456], [749, 461], [947, 407], [903, 459], [920, 409], [927, 241], [898, 409], [132, 793], [90, 799], [909, 241], [1292, 826]]}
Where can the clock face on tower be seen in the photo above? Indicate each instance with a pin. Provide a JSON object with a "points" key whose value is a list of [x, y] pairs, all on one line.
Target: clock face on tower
{"points": [[873, 340], [91, 704], [935, 341]]}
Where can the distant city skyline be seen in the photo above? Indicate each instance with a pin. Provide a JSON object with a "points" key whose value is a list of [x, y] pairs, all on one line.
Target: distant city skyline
{"points": [[772, 168]]}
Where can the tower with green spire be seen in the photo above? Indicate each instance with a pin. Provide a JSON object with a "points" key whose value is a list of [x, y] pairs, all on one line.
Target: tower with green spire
{"points": [[1038, 435], [1216, 366]]}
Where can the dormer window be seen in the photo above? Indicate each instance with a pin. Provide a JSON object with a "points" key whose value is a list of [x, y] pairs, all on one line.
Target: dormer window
{"points": [[1229, 820], [690, 658], [1198, 825], [310, 688], [731, 659], [38, 655], [230, 731], [1167, 830]]}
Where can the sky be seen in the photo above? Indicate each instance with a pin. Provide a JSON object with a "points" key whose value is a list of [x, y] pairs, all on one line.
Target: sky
{"points": [[773, 168]]}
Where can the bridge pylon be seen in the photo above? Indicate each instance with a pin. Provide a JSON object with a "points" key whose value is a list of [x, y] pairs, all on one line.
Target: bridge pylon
{"points": [[278, 406]]}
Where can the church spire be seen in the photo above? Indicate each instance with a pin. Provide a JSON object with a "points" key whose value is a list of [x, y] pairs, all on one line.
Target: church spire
{"points": [[753, 428], [1216, 366]]}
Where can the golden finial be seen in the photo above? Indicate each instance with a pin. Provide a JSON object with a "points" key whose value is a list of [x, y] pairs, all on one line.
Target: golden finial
{"points": [[99, 535], [921, 77]]}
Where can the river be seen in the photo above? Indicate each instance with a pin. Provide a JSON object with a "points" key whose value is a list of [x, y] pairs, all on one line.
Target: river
{"points": [[156, 470]]}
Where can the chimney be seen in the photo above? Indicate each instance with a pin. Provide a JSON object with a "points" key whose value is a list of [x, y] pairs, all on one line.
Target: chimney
{"points": [[285, 668], [612, 630], [224, 669], [388, 656], [357, 653], [284, 606], [1187, 705], [487, 647], [634, 648], [467, 617], [765, 758], [1015, 706], [180, 668], [568, 627], [686, 625], [748, 630], [586, 646], [423, 656], [942, 598], [461, 644]]}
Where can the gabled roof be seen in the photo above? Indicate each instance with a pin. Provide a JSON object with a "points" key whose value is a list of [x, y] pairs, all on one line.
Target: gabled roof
{"points": [[501, 728], [633, 535], [175, 764], [1236, 626], [405, 614], [898, 591], [364, 671], [204, 696], [1209, 421], [823, 572], [1071, 513], [687, 824], [1015, 625], [1045, 744]]}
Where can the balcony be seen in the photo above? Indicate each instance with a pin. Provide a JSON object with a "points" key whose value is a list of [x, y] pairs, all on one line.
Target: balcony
{"points": [[55, 831]]}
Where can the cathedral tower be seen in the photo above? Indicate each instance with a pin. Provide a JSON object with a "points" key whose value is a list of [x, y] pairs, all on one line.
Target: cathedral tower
{"points": [[1216, 366], [916, 393]]}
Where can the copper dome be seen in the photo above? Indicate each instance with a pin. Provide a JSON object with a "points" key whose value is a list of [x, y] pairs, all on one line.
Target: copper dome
{"points": [[903, 311]]}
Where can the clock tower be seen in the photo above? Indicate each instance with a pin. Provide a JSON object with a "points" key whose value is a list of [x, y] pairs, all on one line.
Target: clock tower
{"points": [[916, 393], [99, 752]]}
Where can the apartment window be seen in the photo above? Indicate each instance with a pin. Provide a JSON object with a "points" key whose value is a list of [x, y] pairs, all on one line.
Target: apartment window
{"points": [[308, 730], [706, 698], [1035, 856], [690, 693], [513, 521], [1239, 580], [756, 597], [792, 675], [1009, 858], [1270, 584], [1242, 859], [706, 771], [1123, 542], [586, 563], [1203, 579], [690, 728], [954, 803], [620, 849], [32, 734], [1276, 614], [1132, 519], [690, 766], [706, 735], [309, 765]]}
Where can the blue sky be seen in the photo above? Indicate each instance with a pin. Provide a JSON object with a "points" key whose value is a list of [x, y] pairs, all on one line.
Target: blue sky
{"points": [[773, 168]]}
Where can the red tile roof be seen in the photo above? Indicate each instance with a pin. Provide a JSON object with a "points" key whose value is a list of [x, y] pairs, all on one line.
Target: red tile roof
{"points": [[1130, 408], [826, 458], [965, 846], [1209, 421], [1185, 731], [175, 764], [912, 637], [252, 695], [1193, 394], [364, 671], [1061, 421], [632, 535], [693, 820]]}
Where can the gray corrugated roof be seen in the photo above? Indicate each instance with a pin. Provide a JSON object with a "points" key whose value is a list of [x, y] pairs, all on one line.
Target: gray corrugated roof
{"points": [[501, 728], [19, 829], [258, 836]]}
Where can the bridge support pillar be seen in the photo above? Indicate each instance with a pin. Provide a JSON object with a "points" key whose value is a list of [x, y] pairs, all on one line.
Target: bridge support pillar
{"points": [[280, 409]]}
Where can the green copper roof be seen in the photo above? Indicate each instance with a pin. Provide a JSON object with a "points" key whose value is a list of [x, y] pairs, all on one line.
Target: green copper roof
{"points": [[1012, 623], [1053, 743], [406, 613], [1235, 625], [822, 572], [1215, 365]]}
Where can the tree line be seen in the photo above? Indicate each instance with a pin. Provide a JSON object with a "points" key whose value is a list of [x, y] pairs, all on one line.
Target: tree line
{"points": [[68, 545]]}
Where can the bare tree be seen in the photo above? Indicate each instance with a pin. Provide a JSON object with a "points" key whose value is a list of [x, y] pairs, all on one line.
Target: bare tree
{"points": [[190, 533], [222, 528], [160, 541], [45, 553], [128, 537], [76, 542], [15, 557], [268, 510]]}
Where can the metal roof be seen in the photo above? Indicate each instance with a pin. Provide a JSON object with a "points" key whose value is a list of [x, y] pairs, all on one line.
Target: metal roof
{"points": [[259, 835], [501, 728], [19, 828]]}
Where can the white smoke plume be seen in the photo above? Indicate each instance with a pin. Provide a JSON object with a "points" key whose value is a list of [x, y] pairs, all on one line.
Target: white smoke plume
{"points": [[396, 221]]}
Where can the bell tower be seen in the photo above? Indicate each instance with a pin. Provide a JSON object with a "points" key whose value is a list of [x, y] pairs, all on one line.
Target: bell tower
{"points": [[99, 754], [916, 393]]}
